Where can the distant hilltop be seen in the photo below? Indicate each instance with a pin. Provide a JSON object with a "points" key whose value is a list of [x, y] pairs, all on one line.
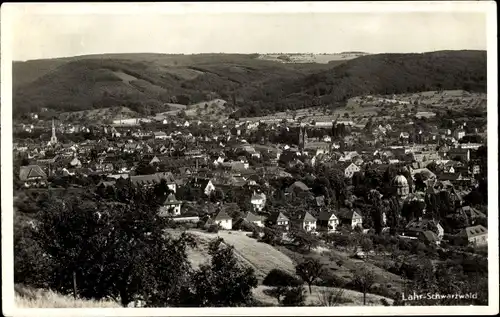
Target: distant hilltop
{"points": [[321, 58]]}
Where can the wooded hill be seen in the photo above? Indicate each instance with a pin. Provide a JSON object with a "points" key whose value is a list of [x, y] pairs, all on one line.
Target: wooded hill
{"points": [[145, 82]]}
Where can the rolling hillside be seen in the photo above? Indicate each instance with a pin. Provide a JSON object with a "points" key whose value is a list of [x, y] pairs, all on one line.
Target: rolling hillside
{"points": [[263, 258], [145, 83], [142, 82], [374, 74]]}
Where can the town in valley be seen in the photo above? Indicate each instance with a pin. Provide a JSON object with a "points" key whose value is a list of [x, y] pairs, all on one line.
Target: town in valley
{"points": [[251, 180]]}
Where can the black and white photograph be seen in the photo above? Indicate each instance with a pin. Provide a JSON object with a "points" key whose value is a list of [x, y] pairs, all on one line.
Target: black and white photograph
{"points": [[252, 158]]}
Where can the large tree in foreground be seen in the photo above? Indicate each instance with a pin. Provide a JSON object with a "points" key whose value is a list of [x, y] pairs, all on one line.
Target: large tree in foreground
{"points": [[309, 271], [111, 249], [363, 280], [223, 283]]}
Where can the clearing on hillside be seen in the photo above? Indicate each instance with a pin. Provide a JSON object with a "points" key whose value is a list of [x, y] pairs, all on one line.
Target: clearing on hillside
{"points": [[262, 257]]}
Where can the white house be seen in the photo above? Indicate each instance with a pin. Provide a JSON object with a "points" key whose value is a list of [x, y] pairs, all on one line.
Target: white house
{"points": [[223, 220], [281, 220], [308, 222], [253, 218], [327, 221], [209, 188], [350, 217], [258, 201], [350, 170], [171, 206]]}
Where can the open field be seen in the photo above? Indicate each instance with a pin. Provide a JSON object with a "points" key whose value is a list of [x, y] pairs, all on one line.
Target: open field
{"points": [[425, 103], [102, 114], [309, 58], [206, 110], [26, 297], [329, 257], [262, 257]]}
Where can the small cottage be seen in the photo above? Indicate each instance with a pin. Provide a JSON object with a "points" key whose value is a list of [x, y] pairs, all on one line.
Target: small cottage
{"points": [[171, 206], [258, 201], [253, 218], [327, 221], [350, 217], [475, 236], [224, 220], [308, 222], [280, 220]]}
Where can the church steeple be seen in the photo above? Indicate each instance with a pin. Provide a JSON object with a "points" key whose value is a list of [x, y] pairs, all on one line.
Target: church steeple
{"points": [[304, 138], [301, 137], [53, 138]]}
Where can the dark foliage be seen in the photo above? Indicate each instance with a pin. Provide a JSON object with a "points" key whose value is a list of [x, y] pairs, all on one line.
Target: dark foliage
{"points": [[277, 277]]}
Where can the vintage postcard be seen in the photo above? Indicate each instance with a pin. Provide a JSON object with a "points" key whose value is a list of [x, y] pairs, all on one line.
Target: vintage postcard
{"points": [[249, 158]]}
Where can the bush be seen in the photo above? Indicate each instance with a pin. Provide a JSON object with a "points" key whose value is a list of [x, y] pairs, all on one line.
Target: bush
{"points": [[383, 291], [213, 228], [277, 277], [255, 234], [332, 297], [331, 280], [244, 225], [295, 296], [187, 225]]}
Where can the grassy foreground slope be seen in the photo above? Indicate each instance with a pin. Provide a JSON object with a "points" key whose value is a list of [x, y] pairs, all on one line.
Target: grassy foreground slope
{"points": [[26, 297], [263, 258]]}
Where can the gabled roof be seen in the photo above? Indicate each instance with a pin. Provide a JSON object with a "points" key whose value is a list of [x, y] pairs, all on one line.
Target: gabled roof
{"points": [[171, 200], [320, 201], [252, 217], [347, 214], [421, 225], [140, 179], [429, 236], [31, 171], [474, 231], [472, 212], [107, 183], [256, 196], [449, 176], [298, 184], [326, 215], [308, 217], [222, 215], [167, 176], [154, 160], [278, 217]]}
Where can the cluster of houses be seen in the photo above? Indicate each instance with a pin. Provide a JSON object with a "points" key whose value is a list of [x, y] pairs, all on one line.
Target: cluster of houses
{"points": [[225, 158]]}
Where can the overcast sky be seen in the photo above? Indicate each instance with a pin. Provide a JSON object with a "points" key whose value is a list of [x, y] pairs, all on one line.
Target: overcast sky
{"points": [[37, 35]]}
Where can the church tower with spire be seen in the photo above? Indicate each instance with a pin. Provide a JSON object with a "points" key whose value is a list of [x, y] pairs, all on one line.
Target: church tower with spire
{"points": [[53, 138], [302, 138]]}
